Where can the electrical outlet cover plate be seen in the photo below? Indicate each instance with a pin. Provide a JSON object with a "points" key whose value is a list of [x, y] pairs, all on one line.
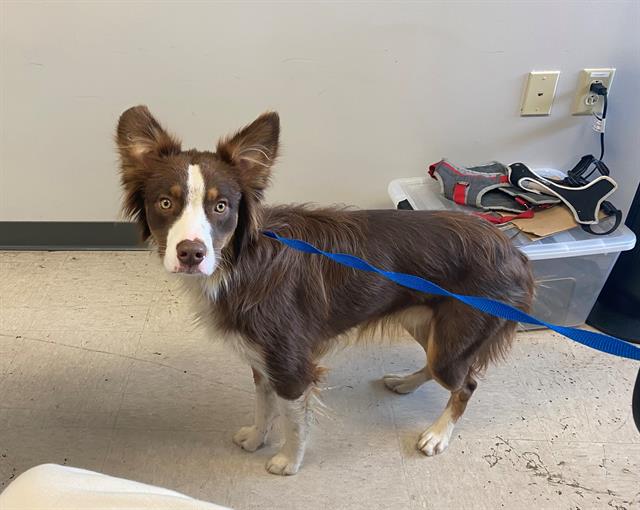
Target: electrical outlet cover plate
{"points": [[585, 101], [539, 93]]}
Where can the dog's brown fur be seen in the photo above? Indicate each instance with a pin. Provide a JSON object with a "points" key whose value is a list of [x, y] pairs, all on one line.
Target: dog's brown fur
{"points": [[288, 306], [291, 305]]}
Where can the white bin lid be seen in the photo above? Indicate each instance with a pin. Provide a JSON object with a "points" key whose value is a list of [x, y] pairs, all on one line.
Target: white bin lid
{"points": [[424, 195]]}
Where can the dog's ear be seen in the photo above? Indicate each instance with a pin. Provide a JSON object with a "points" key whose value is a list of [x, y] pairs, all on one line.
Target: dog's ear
{"points": [[252, 151], [139, 135], [140, 138]]}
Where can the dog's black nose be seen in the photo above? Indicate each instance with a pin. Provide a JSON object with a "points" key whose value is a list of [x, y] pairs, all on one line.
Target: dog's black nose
{"points": [[191, 253]]}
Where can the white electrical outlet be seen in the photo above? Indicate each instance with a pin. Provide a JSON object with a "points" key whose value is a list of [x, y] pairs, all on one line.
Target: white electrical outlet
{"points": [[539, 93], [585, 101]]}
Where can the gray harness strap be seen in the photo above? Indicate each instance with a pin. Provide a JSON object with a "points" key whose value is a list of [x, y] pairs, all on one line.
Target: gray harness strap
{"points": [[485, 187]]}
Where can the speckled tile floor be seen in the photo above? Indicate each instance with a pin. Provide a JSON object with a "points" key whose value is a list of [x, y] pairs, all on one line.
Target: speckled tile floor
{"points": [[101, 368]]}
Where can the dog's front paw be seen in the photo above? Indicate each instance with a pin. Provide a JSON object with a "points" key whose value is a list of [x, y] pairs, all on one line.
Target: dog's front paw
{"points": [[435, 439], [249, 438], [280, 464]]}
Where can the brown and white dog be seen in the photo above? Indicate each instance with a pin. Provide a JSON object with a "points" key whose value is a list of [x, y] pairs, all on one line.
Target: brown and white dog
{"points": [[283, 309]]}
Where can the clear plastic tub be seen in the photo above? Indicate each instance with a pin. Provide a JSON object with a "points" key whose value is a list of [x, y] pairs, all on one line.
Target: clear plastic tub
{"points": [[570, 267]]}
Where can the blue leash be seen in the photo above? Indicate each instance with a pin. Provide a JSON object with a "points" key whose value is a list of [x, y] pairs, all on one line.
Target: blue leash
{"points": [[598, 341]]}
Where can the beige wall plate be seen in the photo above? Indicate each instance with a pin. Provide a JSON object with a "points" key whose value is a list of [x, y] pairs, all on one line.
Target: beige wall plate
{"points": [[539, 93], [585, 101]]}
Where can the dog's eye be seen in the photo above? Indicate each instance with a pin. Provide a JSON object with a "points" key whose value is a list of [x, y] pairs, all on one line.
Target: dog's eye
{"points": [[165, 203], [221, 206]]}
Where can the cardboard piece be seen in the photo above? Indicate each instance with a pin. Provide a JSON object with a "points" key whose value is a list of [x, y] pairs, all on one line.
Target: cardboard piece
{"points": [[547, 222]]}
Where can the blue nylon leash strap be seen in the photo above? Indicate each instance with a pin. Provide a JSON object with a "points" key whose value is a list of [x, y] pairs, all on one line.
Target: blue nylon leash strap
{"points": [[598, 341]]}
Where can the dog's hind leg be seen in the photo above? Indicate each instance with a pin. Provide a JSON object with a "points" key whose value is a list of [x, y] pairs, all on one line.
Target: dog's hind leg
{"points": [[253, 437], [454, 352], [436, 438], [417, 322]]}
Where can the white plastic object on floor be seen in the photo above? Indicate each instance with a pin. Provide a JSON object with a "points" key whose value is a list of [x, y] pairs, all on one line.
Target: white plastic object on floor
{"points": [[51, 486], [570, 267]]}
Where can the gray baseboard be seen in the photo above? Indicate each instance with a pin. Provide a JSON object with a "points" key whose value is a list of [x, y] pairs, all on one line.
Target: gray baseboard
{"points": [[70, 235]]}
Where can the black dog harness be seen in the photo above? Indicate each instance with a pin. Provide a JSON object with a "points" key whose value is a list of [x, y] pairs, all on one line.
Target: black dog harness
{"points": [[584, 201]]}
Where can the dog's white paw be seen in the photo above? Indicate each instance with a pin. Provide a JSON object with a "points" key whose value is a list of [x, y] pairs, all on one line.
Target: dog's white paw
{"points": [[402, 384], [249, 438], [280, 464], [436, 438]]}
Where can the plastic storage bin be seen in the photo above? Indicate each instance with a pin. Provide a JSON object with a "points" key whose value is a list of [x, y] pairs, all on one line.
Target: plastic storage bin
{"points": [[570, 267]]}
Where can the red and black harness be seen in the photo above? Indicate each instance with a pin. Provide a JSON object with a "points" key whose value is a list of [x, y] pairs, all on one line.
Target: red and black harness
{"points": [[519, 190]]}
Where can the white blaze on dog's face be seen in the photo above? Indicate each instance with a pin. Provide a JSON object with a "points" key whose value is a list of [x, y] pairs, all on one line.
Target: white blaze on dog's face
{"points": [[191, 210], [195, 204], [192, 226]]}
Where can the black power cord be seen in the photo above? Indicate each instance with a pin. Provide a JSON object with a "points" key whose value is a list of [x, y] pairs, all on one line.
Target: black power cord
{"points": [[579, 175], [601, 90]]}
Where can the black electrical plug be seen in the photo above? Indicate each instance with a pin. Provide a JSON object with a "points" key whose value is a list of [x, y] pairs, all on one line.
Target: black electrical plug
{"points": [[598, 88]]}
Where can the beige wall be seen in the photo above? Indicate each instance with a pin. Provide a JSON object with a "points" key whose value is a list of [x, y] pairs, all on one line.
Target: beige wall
{"points": [[367, 92]]}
